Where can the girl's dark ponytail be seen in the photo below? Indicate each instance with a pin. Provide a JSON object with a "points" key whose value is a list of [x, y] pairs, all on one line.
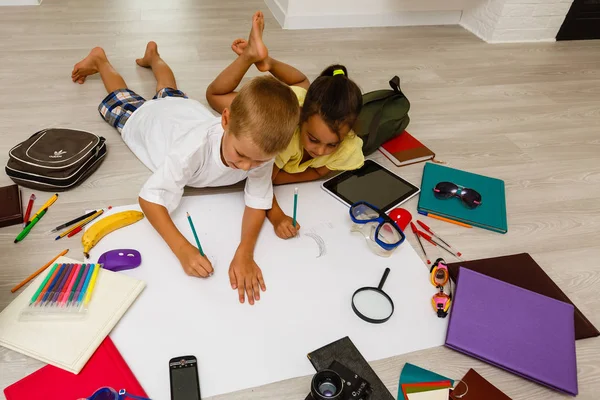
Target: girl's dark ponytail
{"points": [[330, 71], [334, 97]]}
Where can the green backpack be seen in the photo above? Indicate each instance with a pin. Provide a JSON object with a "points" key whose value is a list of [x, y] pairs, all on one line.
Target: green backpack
{"points": [[384, 116]]}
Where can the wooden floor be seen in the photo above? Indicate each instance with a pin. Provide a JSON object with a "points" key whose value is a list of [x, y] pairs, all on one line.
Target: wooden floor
{"points": [[525, 113]]}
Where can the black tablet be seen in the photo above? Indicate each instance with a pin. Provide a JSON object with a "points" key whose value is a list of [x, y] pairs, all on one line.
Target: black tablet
{"points": [[372, 183]]}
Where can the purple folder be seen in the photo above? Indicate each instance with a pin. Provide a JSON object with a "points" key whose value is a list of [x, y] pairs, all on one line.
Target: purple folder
{"points": [[515, 329]]}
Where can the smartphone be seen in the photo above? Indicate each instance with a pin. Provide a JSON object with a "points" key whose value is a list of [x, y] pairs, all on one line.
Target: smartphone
{"points": [[185, 384]]}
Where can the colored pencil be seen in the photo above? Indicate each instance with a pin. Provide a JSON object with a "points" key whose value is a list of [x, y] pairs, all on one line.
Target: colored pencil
{"points": [[39, 271], [60, 292], [73, 221], [30, 226], [82, 223], [195, 234], [88, 295], [85, 285], [295, 206], [65, 294], [44, 283], [60, 286], [53, 291], [50, 290], [78, 280], [47, 286], [448, 220], [44, 207], [28, 212]]}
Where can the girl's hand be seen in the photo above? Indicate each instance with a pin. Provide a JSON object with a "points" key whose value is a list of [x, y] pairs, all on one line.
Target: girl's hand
{"points": [[246, 276], [193, 263], [284, 227]]}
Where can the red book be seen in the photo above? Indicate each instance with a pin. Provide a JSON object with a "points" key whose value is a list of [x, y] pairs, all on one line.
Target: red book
{"points": [[404, 149], [106, 367]]}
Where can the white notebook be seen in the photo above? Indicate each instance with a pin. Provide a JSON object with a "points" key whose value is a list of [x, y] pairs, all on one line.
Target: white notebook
{"points": [[69, 344]]}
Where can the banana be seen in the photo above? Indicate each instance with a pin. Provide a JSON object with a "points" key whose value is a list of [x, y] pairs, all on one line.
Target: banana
{"points": [[107, 225]]}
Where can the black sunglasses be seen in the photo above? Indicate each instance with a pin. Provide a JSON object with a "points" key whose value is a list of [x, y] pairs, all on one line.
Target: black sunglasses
{"points": [[445, 190]]}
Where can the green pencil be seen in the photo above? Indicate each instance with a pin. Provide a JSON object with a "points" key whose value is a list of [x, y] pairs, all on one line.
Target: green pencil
{"points": [[37, 293], [295, 205], [195, 234], [30, 226]]}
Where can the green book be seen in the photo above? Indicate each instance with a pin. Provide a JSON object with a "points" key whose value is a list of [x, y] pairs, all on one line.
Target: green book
{"points": [[491, 214]]}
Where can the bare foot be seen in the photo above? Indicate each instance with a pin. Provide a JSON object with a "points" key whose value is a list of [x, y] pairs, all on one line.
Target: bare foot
{"points": [[151, 52], [89, 65], [255, 48]]}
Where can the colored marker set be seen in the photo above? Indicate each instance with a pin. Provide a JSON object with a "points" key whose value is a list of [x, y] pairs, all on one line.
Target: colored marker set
{"points": [[66, 290]]}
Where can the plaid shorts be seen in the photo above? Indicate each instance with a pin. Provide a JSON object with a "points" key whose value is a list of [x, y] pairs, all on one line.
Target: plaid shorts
{"points": [[117, 107]]}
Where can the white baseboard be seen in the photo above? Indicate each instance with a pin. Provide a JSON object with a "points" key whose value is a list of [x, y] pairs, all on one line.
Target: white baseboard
{"points": [[20, 2], [408, 18], [276, 9]]}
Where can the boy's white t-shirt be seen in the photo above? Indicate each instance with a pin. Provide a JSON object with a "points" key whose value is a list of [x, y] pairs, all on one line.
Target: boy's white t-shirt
{"points": [[180, 141]]}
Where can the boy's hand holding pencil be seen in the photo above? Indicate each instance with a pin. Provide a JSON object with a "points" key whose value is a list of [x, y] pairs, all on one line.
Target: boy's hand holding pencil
{"points": [[194, 263], [192, 259], [284, 227]]}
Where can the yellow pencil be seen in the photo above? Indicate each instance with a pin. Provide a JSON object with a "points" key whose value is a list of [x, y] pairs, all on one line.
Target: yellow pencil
{"points": [[448, 220], [88, 295], [85, 221], [46, 205]]}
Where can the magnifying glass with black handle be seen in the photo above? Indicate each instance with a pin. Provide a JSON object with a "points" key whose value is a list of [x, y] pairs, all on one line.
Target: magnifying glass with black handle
{"points": [[372, 304]]}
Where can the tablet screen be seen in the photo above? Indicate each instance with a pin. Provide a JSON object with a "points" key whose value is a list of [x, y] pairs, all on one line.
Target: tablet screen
{"points": [[371, 183]]}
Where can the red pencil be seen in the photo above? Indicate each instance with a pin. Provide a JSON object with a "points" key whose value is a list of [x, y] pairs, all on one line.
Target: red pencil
{"points": [[29, 207]]}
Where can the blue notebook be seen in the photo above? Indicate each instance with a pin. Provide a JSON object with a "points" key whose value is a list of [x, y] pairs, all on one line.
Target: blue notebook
{"points": [[491, 214]]}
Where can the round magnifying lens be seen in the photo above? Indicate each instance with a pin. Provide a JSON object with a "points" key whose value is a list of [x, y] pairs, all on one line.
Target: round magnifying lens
{"points": [[372, 304]]}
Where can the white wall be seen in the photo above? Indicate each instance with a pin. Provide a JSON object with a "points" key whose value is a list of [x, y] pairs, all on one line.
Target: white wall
{"points": [[501, 21], [312, 14]]}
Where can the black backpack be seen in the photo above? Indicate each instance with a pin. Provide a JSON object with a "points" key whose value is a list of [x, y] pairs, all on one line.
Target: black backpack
{"points": [[384, 116], [55, 159]]}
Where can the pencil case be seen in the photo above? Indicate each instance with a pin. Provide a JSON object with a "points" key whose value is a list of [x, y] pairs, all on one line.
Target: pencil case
{"points": [[65, 293]]}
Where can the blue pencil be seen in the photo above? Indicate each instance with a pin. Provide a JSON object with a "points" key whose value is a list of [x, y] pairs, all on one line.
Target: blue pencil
{"points": [[85, 285], [195, 234], [295, 205], [53, 283]]}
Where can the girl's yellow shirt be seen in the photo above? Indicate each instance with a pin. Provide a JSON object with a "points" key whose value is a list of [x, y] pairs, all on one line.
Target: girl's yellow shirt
{"points": [[348, 155]]}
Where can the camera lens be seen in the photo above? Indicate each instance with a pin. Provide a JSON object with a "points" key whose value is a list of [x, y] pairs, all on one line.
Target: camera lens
{"points": [[327, 389], [325, 385]]}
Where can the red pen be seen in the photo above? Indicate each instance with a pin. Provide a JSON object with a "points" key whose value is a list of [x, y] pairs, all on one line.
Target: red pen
{"points": [[434, 242], [426, 237], [75, 231], [416, 232], [428, 229], [29, 207]]}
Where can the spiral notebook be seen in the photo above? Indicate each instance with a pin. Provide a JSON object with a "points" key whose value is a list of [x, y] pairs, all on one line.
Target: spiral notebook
{"points": [[69, 344]]}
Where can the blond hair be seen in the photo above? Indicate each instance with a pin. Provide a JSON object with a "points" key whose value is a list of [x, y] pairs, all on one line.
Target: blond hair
{"points": [[267, 111]]}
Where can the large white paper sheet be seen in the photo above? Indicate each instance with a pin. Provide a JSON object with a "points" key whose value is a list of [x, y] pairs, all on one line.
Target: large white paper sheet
{"points": [[310, 281]]}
